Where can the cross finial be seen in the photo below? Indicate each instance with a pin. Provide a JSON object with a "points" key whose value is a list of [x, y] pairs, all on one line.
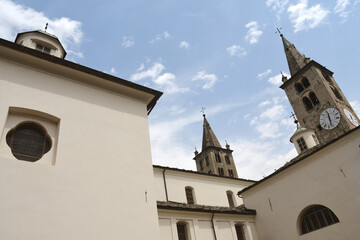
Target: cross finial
{"points": [[203, 111], [46, 26], [278, 31], [294, 117]]}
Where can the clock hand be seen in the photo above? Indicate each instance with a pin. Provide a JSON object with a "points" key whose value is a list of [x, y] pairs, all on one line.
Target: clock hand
{"points": [[329, 117]]}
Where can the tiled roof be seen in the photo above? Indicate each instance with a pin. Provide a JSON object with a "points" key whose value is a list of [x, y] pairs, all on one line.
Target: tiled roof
{"points": [[241, 210]]}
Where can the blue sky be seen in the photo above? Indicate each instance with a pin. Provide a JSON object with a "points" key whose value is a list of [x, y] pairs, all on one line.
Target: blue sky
{"points": [[221, 55]]}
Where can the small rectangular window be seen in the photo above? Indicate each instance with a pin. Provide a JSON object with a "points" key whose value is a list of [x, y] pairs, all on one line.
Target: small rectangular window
{"points": [[189, 195], [217, 157], [227, 159], [301, 143]]}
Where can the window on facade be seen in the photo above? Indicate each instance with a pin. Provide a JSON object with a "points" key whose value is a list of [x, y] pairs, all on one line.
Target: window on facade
{"points": [[316, 217], [227, 159], [209, 172], [239, 231], [307, 103], [201, 164], [305, 82], [301, 143], [231, 173], [28, 141], [207, 161], [230, 197], [299, 88], [327, 77], [189, 191], [336, 92], [217, 157], [182, 230], [315, 139], [221, 171], [313, 98], [42, 48]]}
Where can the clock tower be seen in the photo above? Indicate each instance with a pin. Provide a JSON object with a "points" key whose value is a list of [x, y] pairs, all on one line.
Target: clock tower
{"points": [[315, 97]]}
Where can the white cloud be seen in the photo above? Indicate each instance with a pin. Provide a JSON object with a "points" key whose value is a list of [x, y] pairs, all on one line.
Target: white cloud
{"points": [[304, 17], [127, 42], [209, 79], [264, 74], [264, 103], [340, 8], [236, 50], [15, 18], [277, 79], [184, 44], [176, 110], [256, 159], [356, 106], [164, 35], [165, 81], [141, 67], [113, 71], [277, 5], [274, 113], [253, 33]]}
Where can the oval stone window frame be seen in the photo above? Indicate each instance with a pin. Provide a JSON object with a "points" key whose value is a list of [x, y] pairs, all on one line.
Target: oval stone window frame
{"points": [[28, 141]]}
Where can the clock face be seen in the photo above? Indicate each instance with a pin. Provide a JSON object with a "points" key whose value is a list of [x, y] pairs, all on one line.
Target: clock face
{"points": [[351, 117], [329, 118]]}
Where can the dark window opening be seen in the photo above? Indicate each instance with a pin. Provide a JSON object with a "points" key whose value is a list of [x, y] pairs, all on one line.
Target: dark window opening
{"points": [[217, 157], [189, 195], [239, 231], [313, 98], [209, 172], [230, 197], [305, 82], [302, 144], [182, 230], [28, 142], [316, 217], [336, 92], [299, 88], [327, 77], [221, 171], [307, 103], [227, 159], [231, 173]]}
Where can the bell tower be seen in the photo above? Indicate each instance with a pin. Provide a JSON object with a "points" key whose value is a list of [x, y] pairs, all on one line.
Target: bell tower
{"points": [[213, 159], [315, 97]]}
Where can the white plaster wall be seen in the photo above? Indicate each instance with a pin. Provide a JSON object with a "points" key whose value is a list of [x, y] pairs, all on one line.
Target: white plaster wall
{"points": [[208, 190], [100, 186], [330, 178], [200, 225]]}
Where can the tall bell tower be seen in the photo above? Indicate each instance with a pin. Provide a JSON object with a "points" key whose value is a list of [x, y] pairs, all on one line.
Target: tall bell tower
{"points": [[213, 159], [315, 97]]}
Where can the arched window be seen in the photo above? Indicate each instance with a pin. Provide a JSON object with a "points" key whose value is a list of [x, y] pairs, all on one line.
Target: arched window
{"points": [[307, 103], [28, 141], [313, 98], [189, 192], [182, 230], [299, 88], [305, 82], [239, 231], [221, 171], [230, 197], [316, 217], [336, 92], [217, 157]]}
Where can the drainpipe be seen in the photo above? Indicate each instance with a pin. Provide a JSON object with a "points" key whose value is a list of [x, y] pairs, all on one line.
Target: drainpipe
{"points": [[212, 225], [166, 192]]}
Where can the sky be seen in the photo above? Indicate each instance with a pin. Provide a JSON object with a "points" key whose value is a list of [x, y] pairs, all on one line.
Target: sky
{"points": [[224, 56]]}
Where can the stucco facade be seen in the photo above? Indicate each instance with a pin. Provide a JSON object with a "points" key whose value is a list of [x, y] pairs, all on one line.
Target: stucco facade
{"points": [[98, 126], [329, 176]]}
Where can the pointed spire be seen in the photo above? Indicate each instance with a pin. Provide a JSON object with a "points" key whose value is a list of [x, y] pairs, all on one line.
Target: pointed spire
{"points": [[209, 138], [295, 59]]}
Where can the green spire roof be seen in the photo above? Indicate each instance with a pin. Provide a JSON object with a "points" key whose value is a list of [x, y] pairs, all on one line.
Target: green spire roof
{"points": [[295, 59]]}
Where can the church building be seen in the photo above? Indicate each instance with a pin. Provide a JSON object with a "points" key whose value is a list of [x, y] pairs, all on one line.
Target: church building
{"points": [[60, 180]]}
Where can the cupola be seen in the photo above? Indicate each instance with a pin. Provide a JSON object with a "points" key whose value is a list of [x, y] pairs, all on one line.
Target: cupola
{"points": [[303, 139], [41, 41]]}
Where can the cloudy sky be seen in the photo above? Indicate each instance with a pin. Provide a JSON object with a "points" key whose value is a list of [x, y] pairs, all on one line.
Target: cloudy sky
{"points": [[221, 55]]}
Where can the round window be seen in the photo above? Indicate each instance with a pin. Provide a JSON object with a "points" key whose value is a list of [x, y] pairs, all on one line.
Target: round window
{"points": [[28, 141]]}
